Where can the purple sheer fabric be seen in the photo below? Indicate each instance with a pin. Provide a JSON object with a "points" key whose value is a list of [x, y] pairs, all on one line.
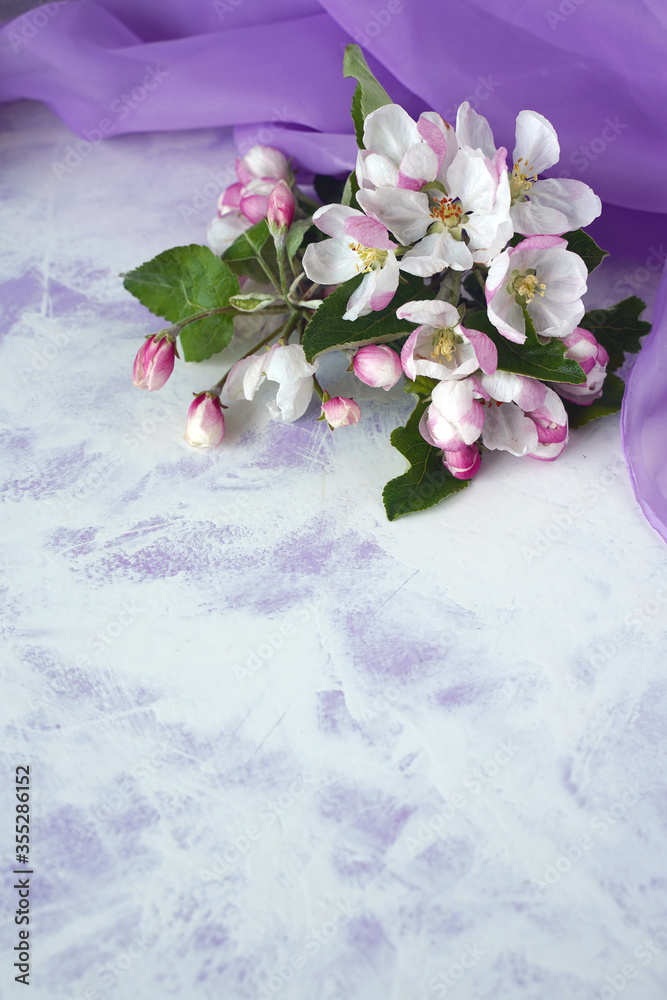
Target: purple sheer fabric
{"points": [[272, 69], [644, 421]]}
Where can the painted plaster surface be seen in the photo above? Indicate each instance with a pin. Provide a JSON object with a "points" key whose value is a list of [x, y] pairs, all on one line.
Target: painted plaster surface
{"points": [[279, 746]]}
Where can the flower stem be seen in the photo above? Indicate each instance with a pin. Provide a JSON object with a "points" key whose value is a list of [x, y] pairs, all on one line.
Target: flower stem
{"points": [[318, 388]]}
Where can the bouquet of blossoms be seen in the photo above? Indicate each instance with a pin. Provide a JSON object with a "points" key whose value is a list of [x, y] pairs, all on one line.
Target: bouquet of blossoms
{"points": [[438, 263]]}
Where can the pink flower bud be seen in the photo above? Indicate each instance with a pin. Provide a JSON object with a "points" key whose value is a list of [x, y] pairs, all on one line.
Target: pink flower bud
{"points": [[378, 366], [340, 412], [583, 347], [154, 363], [206, 424], [463, 464], [280, 212]]}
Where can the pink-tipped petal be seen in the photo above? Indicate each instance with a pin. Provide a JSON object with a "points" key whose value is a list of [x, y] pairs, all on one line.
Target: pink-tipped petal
{"points": [[254, 207], [368, 233], [485, 349]]}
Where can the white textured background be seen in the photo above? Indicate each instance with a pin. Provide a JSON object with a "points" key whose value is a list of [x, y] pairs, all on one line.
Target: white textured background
{"points": [[459, 698]]}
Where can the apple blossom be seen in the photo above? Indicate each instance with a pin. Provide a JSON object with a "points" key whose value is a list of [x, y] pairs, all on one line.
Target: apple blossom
{"points": [[440, 347], [206, 424], [341, 412], [400, 152], [246, 202], [522, 416], [377, 365], [464, 220], [539, 207], [154, 363], [543, 277], [283, 363], [359, 245], [510, 412], [582, 346]]}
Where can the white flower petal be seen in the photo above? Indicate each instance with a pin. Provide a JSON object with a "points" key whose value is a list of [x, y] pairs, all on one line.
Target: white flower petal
{"points": [[470, 180], [576, 201], [222, 232], [386, 284], [405, 213], [434, 313], [474, 130], [536, 142], [440, 136], [507, 428], [331, 219], [330, 262], [434, 253], [264, 161], [420, 164], [507, 316], [287, 363], [390, 131], [530, 218], [379, 171], [292, 400], [359, 302]]}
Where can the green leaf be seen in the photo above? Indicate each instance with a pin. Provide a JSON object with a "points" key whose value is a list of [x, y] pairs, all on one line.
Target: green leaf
{"points": [[580, 242], [426, 482], [253, 302], [369, 94], [243, 255], [618, 329], [184, 281], [248, 244], [609, 402], [421, 386], [535, 360], [296, 235], [349, 196], [328, 331]]}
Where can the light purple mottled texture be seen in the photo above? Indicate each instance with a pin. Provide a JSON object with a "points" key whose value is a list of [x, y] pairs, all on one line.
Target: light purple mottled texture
{"points": [[453, 702]]}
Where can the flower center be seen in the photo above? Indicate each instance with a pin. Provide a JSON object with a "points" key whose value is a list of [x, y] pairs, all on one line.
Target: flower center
{"points": [[448, 212], [370, 257], [521, 180], [445, 342], [524, 287]]}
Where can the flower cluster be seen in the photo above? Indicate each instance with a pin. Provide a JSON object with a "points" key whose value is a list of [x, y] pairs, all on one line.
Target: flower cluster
{"points": [[441, 266]]}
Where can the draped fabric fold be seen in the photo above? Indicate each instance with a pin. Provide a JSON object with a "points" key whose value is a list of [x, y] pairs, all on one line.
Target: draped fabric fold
{"points": [[272, 69]]}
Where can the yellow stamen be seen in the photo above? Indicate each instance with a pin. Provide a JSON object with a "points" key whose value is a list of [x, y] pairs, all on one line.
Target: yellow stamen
{"points": [[521, 181], [448, 212], [370, 257], [444, 342], [526, 286]]}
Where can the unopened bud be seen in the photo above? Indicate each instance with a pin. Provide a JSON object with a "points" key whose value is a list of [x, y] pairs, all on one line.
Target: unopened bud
{"points": [[378, 366], [341, 412], [206, 424], [154, 363], [280, 212]]}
